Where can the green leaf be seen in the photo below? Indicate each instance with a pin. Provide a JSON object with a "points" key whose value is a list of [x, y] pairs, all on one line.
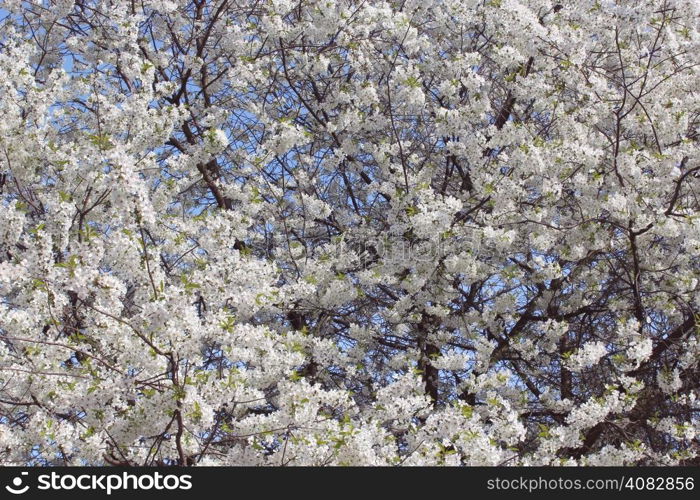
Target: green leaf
{"points": [[467, 411], [101, 141], [187, 284], [228, 324], [89, 432], [413, 82], [179, 393], [257, 198], [71, 264], [196, 413], [412, 210], [35, 231]]}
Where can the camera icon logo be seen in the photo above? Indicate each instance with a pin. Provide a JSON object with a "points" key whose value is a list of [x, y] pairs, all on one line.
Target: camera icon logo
{"points": [[17, 483]]}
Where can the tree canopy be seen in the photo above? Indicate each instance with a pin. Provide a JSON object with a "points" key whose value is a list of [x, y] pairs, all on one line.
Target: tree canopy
{"points": [[349, 232]]}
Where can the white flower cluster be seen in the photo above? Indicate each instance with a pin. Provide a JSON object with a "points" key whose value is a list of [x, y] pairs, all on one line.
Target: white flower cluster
{"points": [[585, 357]]}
